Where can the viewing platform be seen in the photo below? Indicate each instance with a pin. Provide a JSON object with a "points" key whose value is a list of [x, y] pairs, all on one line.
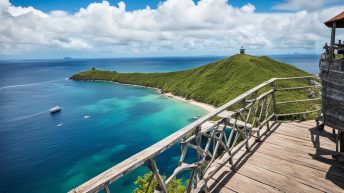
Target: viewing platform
{"points": [[291, 157], [247, 145]]}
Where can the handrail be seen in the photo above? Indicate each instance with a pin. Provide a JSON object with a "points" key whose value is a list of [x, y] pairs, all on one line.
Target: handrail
{"points": [[256, 111], [297, 101]]}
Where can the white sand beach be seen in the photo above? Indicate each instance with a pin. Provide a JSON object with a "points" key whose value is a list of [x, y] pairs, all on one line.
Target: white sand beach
{"points": [[204, 106]]}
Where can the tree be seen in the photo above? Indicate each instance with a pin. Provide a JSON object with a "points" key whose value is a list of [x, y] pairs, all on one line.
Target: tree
{"points": [[175, 186]]}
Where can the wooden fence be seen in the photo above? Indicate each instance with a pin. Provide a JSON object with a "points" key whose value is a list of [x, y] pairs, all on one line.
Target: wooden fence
{"points": [[245, 116]]}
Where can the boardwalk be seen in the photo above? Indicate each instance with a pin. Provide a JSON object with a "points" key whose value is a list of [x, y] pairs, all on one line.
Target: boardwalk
{"points": [[292, 157]]}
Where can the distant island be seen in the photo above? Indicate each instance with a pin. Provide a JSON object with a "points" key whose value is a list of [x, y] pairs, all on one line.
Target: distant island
{"points": [[215, 83], [67, 58]]}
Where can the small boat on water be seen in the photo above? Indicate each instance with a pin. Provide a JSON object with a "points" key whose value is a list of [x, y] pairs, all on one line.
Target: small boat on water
{"points": [[60, 124], [196, 117], [55, 109]]}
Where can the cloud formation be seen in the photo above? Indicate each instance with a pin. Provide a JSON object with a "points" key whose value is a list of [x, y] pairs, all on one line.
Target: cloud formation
{"points": [[176, 27], [296, 5]]}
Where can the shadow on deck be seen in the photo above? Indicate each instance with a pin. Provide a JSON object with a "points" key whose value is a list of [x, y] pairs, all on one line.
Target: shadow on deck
{"points": [[291, 157]]}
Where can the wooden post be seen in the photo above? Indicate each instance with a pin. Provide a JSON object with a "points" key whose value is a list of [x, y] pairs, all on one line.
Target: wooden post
{"points": [[184, 146], [155, 171], [107, 190], [333, 39], [274, 100], [189, 188], [245, 132], [149, 182], [341, 141], [258, 136], [247, 145]]}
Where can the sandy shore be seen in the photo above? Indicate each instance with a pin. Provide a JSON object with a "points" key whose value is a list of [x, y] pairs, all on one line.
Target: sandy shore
{"points": [[204, 106]]}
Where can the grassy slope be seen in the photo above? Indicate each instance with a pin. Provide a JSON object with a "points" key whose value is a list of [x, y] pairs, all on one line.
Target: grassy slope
{"points": [[215, 83]]}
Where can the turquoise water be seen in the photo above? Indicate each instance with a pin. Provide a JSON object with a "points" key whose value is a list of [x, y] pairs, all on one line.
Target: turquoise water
{"points": [[37, 155], [123, 120]]}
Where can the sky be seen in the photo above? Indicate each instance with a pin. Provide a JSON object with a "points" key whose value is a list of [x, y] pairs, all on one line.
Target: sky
{"points": [[38, 29]]}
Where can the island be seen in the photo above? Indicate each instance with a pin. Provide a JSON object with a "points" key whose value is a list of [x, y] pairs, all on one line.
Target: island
{"points": [[215, 83]]}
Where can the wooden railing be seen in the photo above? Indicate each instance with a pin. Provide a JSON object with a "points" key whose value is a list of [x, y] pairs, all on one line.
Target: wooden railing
{"points": [[236, 122]]}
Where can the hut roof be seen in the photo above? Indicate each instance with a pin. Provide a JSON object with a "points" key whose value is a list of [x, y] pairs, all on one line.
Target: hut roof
{"points": [[339, 19]]}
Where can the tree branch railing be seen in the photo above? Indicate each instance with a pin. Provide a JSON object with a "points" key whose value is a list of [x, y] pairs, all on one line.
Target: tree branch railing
{"points": [[245, 116]]}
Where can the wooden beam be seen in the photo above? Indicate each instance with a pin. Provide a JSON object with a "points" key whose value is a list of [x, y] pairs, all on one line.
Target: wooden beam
{"points": [[298, 113], [296, 88], [296, 101]]}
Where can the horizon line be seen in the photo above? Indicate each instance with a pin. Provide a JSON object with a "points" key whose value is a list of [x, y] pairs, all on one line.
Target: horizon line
{"points": [[133, 57]]}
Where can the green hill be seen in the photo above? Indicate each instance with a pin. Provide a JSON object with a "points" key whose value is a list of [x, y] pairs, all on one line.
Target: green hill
{"points": [[215, 83]]}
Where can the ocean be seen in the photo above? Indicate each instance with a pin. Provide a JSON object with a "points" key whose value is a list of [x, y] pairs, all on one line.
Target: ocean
{"points": [[308, 63], [100, 124]]}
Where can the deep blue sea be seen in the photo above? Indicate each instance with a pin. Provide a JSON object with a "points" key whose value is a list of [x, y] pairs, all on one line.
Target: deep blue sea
{"points": [[308, 63], [100, 123]]}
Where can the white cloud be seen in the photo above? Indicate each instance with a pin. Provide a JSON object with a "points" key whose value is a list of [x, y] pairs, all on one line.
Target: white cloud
{"points": [[71, 43], [19, 11], [176, 27], [249, 8], [295, 5]]}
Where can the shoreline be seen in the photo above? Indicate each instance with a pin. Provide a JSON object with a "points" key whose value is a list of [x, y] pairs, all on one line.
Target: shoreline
{"points": [[204, 106]]}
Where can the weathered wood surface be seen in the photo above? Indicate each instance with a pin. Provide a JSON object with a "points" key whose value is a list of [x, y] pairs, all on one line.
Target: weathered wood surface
{"points": [[292, 157], [332, 76]]}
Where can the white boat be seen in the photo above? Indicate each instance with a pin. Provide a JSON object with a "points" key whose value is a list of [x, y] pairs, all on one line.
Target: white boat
{"points": [[55, 109], [196, 117]]}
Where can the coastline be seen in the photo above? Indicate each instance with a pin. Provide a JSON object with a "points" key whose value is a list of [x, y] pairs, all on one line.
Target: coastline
{"points": [[204, 106]]}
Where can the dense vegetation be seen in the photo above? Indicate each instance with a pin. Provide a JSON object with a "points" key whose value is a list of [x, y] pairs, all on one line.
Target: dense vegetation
{"points": [[215, 83], [175, 186]]}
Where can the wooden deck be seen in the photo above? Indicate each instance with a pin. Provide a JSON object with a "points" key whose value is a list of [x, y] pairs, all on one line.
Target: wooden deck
{"points": [[292, 157]]}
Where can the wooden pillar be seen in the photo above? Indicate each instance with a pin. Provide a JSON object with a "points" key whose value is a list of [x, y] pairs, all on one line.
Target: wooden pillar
{"points": [[341, 141], [333, 39], [107, 190], [273, 95], [161, 182], [190, 185]]}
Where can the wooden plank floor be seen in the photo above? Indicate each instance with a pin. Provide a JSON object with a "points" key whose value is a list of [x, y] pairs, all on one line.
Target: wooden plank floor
{"points": [[292, 157]]}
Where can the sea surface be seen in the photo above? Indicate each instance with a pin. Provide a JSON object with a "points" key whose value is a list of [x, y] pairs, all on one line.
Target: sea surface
{"points": [[100, 124], [308, 63]]}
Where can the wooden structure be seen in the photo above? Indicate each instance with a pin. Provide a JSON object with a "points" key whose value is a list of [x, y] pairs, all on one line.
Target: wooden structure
{"points": [[242, 50], [249, 119], [292, 157], [332, 76]]}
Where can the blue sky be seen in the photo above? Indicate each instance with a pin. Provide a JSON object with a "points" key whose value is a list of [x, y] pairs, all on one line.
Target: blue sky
{"points": [[92, 28], [74, 5]]}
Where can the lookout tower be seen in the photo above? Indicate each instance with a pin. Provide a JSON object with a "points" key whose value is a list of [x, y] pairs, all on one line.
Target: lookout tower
{"points": [[242, 50], [332, 76]]}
